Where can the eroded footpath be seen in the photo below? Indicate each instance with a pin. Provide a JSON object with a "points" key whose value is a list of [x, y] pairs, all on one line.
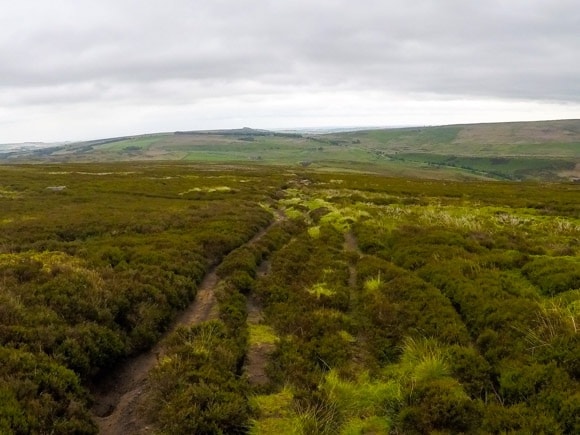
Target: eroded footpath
{"points": [[118, 398]]}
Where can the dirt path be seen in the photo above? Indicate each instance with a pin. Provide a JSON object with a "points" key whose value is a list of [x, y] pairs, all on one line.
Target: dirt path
{"points": [[119, 396]]}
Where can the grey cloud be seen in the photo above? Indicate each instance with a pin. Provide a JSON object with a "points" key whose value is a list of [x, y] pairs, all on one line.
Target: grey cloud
{"points": [[177, 51], [417, 47]]}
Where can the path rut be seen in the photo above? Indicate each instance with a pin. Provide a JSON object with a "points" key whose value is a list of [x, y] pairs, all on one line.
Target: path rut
{"points": [[117, 397], [351, 245], [259, 353]]}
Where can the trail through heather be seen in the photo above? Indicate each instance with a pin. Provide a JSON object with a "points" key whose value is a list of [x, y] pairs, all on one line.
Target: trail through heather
{"points": [[118, 397]]}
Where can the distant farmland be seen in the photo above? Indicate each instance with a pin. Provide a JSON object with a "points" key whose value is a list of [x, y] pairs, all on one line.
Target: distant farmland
{"points": [[548, 150]]}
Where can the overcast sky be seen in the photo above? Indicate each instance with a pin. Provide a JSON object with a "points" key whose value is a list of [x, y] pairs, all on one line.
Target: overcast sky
{"points": [[80, 69]]}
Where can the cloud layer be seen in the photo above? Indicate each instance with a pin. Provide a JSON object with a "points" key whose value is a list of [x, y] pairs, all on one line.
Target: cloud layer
{"points": [[77, 68]]}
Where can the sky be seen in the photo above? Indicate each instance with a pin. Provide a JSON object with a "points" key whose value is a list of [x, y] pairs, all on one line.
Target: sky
{"points": [[80, 69]]}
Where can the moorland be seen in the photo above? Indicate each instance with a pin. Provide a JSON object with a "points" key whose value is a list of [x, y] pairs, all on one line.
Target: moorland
{"points": [[387, 289]]}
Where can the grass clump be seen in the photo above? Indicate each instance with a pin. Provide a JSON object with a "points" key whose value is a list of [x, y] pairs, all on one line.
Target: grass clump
{"points": [[314, 232], [346, 336], [372, 285], [362, 397], [320, 289], [423, 360], [292, 213]]}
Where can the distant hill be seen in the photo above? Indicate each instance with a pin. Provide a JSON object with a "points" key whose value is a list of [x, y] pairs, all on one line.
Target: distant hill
{"points": [[546, 150]]}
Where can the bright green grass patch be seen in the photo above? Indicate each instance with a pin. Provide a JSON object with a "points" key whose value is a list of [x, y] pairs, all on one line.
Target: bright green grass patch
{"points": [[346, 336], [266, 207], [291, 201], [262, 334], [276, 414], [321, 289], [373, 284], [317, 203], [314, 232], [292, 213], [275, 426], [337, 220], [7, 193], [371, 425], [49, 260], [422, 360], [221, 189], [274, 405], [363, 397], [330, 313]]}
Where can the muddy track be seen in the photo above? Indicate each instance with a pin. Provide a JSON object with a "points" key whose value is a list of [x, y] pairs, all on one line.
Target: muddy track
{"points": [[118, 397]]}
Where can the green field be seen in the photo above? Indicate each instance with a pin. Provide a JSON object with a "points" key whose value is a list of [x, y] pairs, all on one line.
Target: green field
{"points": [[332, 301]]}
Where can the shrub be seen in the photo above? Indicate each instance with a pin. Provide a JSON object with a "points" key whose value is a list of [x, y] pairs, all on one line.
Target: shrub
{"points": [[40, 396], [554, 275], [439, 405], [195, 388]]}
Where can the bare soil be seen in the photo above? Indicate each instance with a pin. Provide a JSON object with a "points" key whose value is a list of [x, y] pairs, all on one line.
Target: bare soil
{"points": [[256, 362]]}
